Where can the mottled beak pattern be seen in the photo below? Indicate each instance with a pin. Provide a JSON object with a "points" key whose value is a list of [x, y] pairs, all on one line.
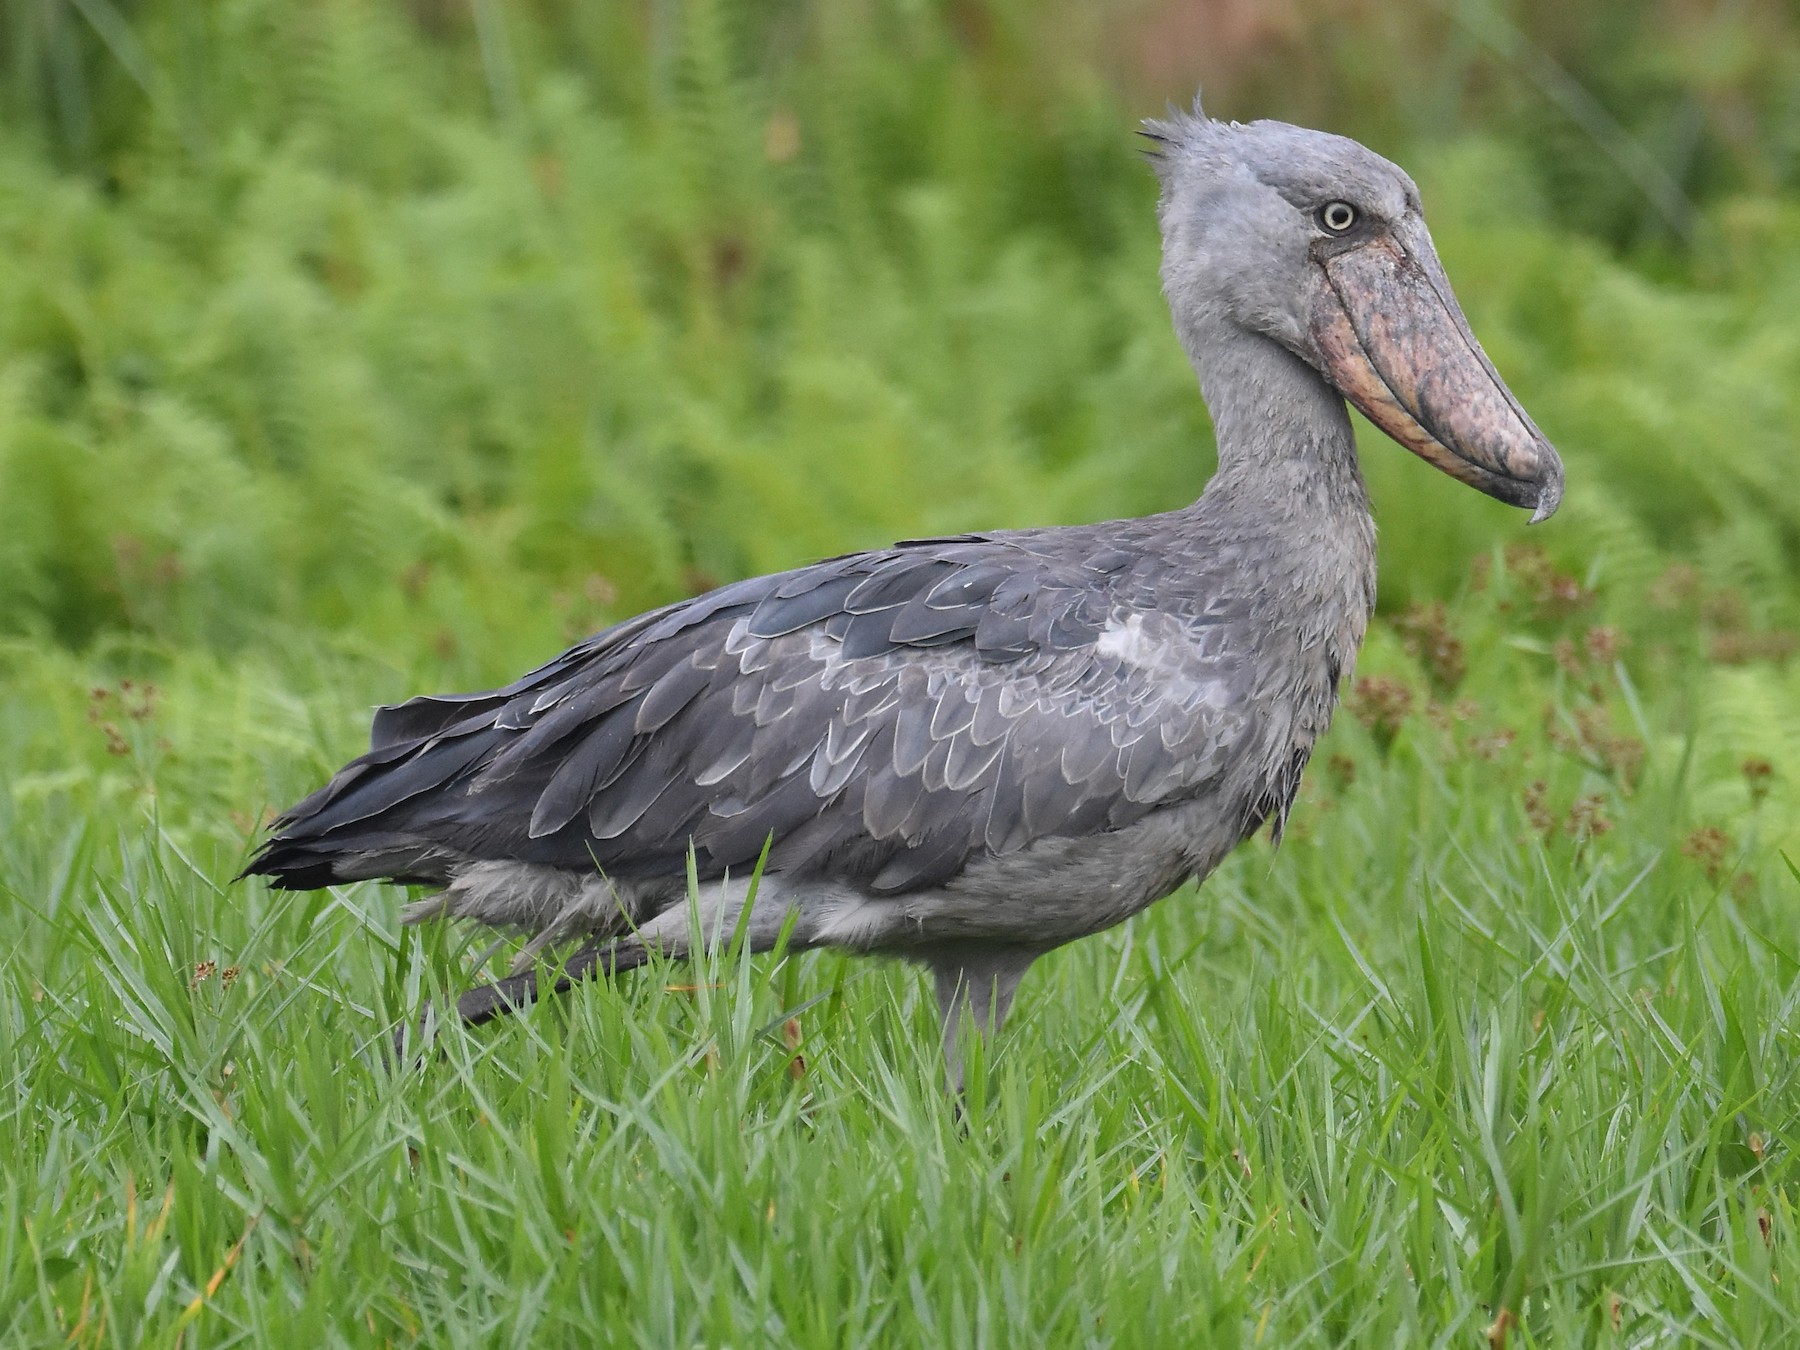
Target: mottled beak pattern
{"points": [[1395, 343]]}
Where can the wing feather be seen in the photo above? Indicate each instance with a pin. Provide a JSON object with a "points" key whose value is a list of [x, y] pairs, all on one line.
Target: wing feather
{"points": [[885, 718]]}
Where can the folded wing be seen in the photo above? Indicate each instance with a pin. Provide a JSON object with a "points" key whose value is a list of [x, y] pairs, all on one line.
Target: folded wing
{"points": [[882, 718]]}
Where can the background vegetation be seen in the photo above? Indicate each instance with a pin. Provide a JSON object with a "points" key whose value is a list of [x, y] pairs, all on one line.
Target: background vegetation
{"points": [[349, 350]]}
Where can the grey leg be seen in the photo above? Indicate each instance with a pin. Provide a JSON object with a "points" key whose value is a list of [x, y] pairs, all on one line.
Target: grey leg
{"points": [[515, 993], [975, 987]]}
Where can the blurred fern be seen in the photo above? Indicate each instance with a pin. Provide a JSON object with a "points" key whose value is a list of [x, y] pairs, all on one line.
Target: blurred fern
{"points": [[504, 320]]}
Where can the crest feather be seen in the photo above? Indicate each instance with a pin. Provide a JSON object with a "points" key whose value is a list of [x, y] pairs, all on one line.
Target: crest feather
{"points": [[1171, 133]]}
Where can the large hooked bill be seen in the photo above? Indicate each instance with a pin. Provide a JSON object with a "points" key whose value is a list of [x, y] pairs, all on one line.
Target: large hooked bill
{"points": [[1395, 343]]}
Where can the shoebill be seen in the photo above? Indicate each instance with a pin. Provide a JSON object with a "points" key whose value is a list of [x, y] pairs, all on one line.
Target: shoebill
{"points": [[968, 751]]}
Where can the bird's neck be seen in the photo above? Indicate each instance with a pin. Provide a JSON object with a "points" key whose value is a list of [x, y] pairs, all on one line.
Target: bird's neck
{"points": [[1285, 445], [1289, 496]]}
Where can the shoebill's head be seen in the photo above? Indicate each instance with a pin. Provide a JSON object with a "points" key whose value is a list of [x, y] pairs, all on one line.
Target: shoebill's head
{"points": [[1319, 244]]}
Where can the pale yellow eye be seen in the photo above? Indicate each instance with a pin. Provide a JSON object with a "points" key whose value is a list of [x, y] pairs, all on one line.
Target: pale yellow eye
{"points": [[1337, 217]]}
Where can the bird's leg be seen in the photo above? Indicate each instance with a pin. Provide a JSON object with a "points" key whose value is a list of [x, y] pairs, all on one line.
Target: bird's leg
{"points": [[975, 989], [722, 909], [515, 993]]}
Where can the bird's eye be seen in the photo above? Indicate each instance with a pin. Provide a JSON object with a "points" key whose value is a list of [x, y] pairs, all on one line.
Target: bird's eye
{"points": [[1337, 217]]}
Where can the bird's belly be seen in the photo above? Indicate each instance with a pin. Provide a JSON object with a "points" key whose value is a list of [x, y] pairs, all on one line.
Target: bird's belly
{"points": [[1049, 893]]}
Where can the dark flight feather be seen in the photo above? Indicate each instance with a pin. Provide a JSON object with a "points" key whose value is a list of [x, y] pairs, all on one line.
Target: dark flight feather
{"points": [[894, 715]]}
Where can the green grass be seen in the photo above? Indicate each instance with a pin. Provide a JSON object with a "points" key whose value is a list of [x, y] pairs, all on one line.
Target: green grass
{"points": [[350, 351], [1497, 1027]]}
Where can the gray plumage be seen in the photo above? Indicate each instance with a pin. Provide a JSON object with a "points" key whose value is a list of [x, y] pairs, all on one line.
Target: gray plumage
{"points": [[971, 750]]}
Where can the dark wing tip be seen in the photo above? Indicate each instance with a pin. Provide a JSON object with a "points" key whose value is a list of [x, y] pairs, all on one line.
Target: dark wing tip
{"points": [[289, 867]]}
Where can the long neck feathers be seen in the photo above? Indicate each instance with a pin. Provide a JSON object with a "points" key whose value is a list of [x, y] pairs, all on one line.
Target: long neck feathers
{"points": [[1283, 433]]}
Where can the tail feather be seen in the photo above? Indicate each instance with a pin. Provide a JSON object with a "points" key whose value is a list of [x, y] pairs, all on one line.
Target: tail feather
{"points": [[305, 862]]}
